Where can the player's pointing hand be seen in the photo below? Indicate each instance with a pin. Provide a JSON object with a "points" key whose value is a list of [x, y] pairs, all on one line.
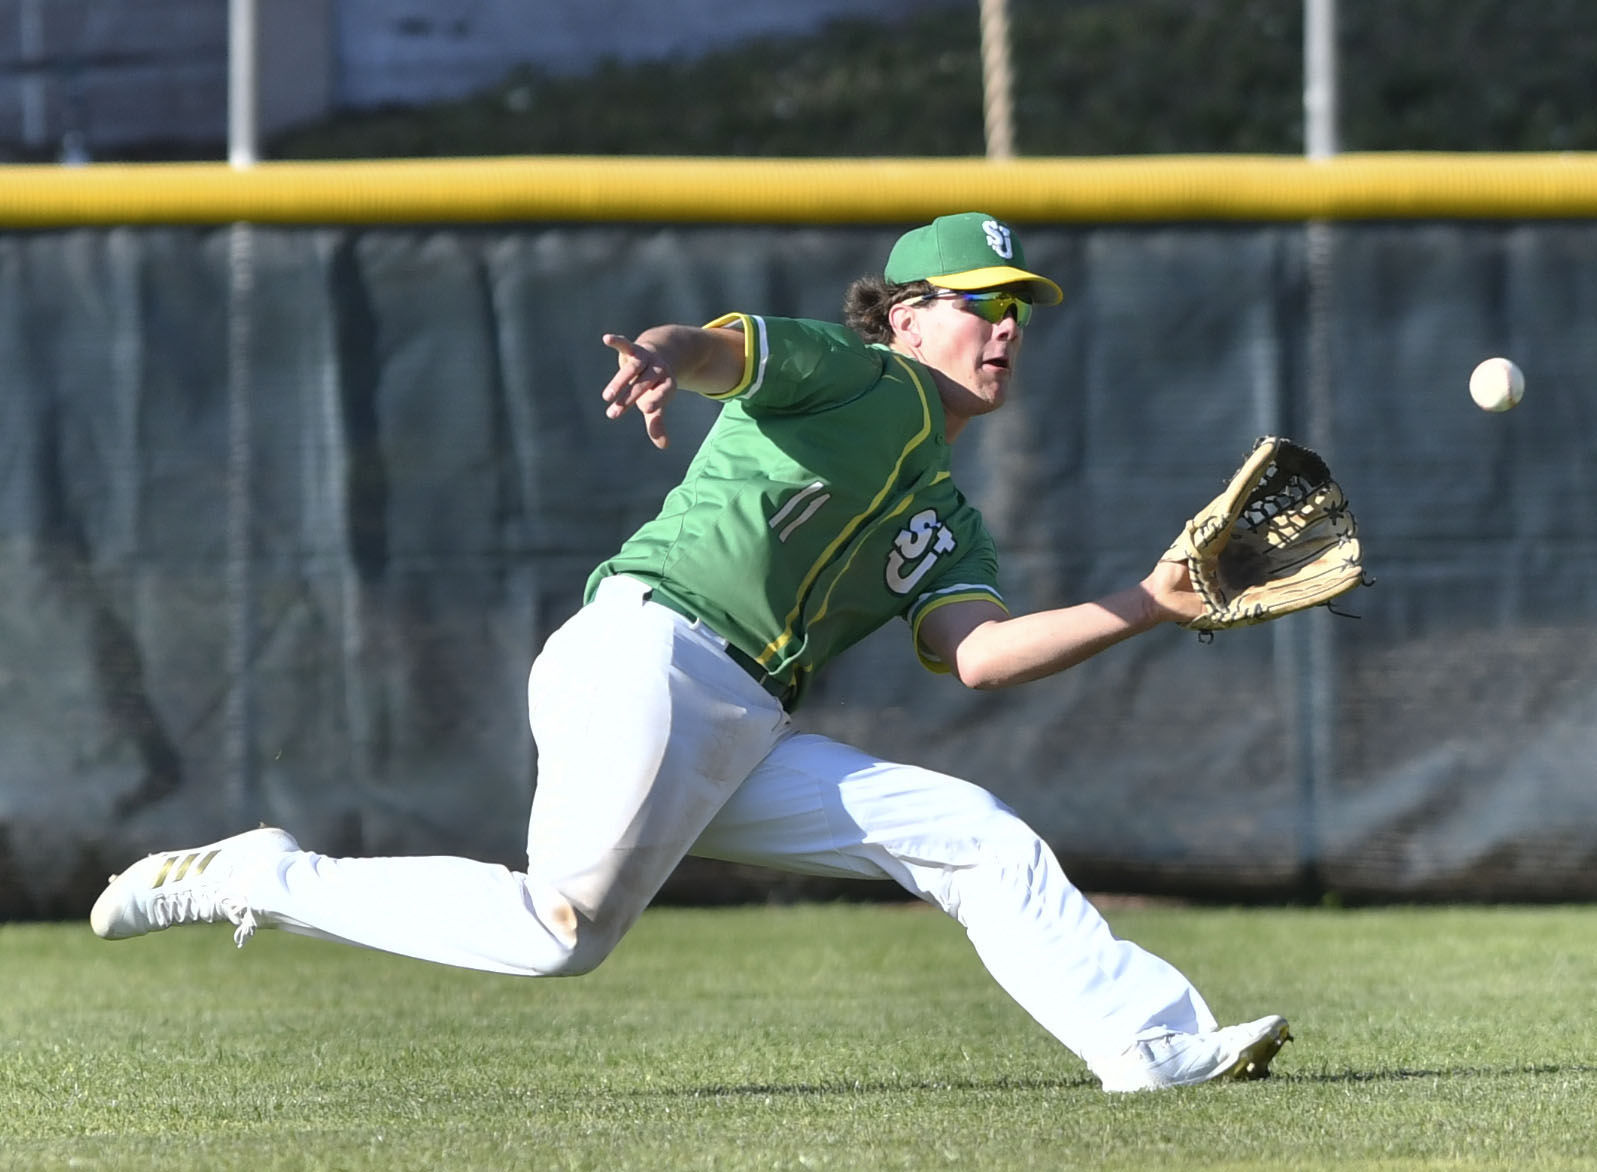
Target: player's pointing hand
{"points": [[642, 380]]}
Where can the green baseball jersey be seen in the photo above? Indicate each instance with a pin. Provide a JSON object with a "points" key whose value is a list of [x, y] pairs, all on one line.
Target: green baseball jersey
{"points": [[819, 506]]}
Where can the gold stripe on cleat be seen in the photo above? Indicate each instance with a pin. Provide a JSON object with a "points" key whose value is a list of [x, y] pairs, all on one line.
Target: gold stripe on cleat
{"points": [[193, 860], [1254, 1062]]}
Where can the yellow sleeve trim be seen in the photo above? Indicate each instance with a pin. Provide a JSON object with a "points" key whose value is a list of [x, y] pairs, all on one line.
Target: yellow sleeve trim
{"points": [[972, 594], [753, 336]]}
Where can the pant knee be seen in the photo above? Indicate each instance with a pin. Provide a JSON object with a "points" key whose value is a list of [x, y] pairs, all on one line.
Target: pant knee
{"points": [[585, 951], [1004, 868], [580, 943]]}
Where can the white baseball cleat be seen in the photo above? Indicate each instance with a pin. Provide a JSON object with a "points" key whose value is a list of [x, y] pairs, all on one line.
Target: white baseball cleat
{"points": [[1178, 1060], [187, 887]]}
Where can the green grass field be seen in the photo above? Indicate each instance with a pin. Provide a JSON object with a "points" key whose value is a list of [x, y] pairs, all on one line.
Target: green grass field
{"points": [[812, 1037]]}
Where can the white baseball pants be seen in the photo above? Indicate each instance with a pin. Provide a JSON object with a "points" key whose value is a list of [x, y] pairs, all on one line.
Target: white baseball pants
{"points": [[653, 744]]}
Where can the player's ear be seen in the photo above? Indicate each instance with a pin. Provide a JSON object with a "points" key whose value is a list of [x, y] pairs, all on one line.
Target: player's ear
{"points": [[905, 322]]}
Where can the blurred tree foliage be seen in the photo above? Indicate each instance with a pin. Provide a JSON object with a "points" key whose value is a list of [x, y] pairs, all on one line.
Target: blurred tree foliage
{"points": [[1091, 77]]}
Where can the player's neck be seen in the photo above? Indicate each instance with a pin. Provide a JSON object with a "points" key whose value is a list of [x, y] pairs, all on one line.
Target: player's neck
{"points": [[961, 403]]}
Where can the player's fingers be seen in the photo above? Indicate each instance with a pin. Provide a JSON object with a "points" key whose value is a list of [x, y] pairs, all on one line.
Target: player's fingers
{"points": [[641, 380], [620, 343], [651, 400], [619, 395], [632, 380], [651, 405], [639, 372], [629, 365], [623, 347], [647, 393], [654, 424]]}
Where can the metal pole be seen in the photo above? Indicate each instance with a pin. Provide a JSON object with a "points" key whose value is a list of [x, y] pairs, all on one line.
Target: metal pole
{"points": [[241, 586], [1307, 645], [998, 108], [1319, 78], [30, 48], [241, 562], [243, 101]]}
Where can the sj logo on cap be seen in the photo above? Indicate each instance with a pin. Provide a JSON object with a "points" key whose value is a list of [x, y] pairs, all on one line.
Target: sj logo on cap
{"points": [[998, 238]]}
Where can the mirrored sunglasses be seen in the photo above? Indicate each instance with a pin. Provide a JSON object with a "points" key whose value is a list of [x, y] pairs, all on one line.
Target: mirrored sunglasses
{"points": [[991, 305]]}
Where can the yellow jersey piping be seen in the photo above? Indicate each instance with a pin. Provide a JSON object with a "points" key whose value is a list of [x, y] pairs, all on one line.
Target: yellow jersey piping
{"points": [[774, 647]]}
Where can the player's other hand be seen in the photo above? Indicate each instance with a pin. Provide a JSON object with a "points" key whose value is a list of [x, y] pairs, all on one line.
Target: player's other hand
{"points": [[642, 380]]}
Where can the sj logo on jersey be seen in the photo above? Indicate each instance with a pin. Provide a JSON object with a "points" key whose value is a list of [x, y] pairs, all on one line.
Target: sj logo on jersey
{"points": [[916, 549]]}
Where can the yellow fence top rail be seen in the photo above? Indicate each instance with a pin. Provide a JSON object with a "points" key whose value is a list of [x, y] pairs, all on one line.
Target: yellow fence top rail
{"points": [[1128, 189]]}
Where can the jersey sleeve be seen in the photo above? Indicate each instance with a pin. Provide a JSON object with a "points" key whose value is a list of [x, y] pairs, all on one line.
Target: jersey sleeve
{"points": [[972, 577], [794, 365]]}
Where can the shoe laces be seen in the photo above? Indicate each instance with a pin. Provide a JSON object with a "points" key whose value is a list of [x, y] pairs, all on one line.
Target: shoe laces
{"points": [[1156, 1048], [246, 928], [198, 905]]}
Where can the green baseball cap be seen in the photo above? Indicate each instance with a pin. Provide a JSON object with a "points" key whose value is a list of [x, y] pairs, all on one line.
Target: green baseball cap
{"points": [[970, 250]]}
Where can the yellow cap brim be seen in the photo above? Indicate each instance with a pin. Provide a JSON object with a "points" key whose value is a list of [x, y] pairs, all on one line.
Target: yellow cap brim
{"points": [[1044, 291]]}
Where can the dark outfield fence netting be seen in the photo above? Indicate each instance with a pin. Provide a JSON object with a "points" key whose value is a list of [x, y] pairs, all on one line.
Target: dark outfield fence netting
{"points": [[286, 512]]}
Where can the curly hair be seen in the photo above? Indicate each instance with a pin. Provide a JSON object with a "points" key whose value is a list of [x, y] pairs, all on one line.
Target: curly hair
{"points": [[867, 301]]}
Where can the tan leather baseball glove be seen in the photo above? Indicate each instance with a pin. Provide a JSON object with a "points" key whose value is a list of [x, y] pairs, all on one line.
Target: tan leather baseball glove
{"points": [[1278, 539]]}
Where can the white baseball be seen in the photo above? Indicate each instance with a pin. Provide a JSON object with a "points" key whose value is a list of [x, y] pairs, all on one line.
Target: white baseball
{"points": [[1496, 385]]}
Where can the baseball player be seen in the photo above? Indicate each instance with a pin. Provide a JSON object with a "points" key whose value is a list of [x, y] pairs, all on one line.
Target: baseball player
{"points": [[819, 507]]}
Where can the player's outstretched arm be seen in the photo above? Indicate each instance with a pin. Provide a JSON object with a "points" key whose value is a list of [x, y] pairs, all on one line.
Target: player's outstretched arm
{"points": [[651, 367], [990, 649]]}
